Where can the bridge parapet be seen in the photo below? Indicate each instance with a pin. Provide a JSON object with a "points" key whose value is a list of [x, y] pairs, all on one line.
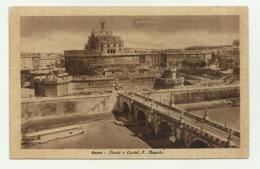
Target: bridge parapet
{"points": [[215, 134], [197, 118], [203, 134]]}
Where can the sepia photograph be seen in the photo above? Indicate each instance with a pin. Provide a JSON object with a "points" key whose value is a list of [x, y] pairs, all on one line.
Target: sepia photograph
{"points": [[129, 82]]}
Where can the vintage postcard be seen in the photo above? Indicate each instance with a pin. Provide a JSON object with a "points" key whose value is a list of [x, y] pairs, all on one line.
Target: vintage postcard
{"points": [[128, 82]]}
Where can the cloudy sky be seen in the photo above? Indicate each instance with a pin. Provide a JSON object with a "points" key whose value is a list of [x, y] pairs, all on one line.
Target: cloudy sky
{"points": [[59, 33]]}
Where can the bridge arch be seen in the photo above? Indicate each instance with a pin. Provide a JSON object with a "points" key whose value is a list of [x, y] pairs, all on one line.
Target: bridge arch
{"points": [[140, 117], [198, 143], [163, 129], [125, 108]]}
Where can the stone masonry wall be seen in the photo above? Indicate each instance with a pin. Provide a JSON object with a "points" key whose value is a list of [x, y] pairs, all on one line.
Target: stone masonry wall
{"points": [[57, 108], [193, 96]]}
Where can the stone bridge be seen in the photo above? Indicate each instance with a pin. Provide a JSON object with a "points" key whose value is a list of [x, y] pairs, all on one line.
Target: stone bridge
{"points": [[183, 128]]}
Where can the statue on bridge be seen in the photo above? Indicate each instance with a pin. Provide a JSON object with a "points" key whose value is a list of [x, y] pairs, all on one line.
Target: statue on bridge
{"points": [[206, 116], [117, 85], [172, 100]]}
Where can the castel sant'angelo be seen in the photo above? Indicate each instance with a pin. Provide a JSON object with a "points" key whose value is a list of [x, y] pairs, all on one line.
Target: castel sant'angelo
{"points": [[105, 51], [101, 50]]}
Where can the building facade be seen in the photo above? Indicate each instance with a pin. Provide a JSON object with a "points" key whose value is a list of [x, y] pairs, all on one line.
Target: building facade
{"points": [[168, 80], [53, 85], [105, 50], [229, 56], [32, 61], [104, 42]]}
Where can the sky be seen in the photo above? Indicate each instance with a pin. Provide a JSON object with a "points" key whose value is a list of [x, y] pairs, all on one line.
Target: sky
{"points": [[59, 33]]}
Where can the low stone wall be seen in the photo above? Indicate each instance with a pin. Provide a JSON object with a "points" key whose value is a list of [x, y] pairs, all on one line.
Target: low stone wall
{"points": [[208, 104], [108, 83], [206, 95], [108, 104], [33, 110], [196, 95]]}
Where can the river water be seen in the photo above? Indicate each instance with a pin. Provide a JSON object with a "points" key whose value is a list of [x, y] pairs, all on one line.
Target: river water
{"points": [[229, 114], [99, 134]]}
